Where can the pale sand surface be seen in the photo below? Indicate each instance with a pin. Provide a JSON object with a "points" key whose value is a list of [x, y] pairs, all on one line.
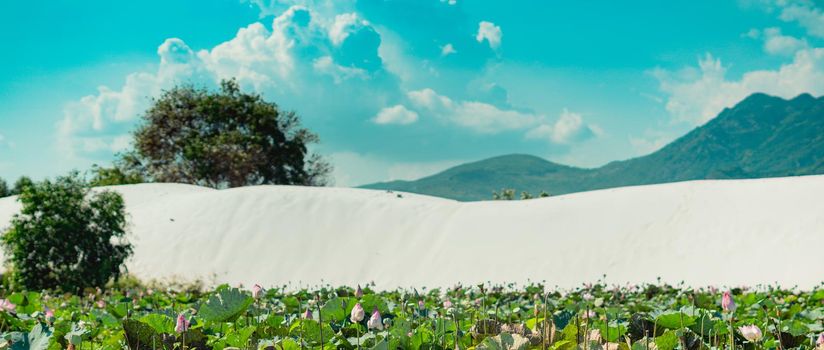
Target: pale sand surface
{"points": [[726, 233]]}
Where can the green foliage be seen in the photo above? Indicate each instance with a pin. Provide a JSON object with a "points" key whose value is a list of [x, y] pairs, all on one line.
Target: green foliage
{"points": [[63, 237], [221, 139], [5, 191], [508, 194], [229, 321], [21, 184], [762, 136], [225, 305], [116, 175]]}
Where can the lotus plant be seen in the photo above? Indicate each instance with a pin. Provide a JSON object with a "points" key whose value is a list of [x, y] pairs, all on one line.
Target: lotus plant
{"points": [[182, 324], [356, 316], [375, 322], [752, 333], [257, 290], [7, 305], [727, 303]]}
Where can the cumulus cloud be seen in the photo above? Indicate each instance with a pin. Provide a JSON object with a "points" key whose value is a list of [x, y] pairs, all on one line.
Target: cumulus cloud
{"points": [[397, 114], [447, 50], [568, 128], [807, 13], [487, 118], [477, 116], [776, 43], [299, 58], [490, 32], [696, 95]]}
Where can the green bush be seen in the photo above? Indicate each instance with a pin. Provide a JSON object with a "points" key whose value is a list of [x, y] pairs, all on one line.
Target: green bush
{"points": [[5, 191], [66, 238]]}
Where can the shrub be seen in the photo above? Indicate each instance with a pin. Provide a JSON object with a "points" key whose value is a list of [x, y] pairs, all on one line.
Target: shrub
{"points": [[5, 191], [65, 237], [20, 184]]}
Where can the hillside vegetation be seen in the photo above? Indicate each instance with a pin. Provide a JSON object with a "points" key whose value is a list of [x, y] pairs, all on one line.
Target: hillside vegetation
{"points": [[762, 136]]}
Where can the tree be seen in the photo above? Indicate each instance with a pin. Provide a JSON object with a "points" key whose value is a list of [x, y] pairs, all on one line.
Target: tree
{"points": [[223, 139], [21, 184], [66, 237], [4, 189], [116, 175]]}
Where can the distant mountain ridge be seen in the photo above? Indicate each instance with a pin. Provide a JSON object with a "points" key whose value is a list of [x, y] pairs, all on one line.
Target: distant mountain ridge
{"points": [[761, 136]]}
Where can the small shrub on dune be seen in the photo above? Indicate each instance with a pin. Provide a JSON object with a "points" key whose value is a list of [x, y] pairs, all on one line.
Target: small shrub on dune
{"points": [[65, 237]]}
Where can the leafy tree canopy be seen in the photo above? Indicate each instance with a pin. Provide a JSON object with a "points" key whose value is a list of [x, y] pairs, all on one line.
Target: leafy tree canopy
{"points": [[221, 139]]}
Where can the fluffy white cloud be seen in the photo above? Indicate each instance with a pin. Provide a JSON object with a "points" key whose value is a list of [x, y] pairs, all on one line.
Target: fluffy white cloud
{"points": [[477, 116], [776, 43], [447, 50], [568, 128], [397, 114], [805, 12], [490, 32], [698, 95], [487, 118], [299, 59]]}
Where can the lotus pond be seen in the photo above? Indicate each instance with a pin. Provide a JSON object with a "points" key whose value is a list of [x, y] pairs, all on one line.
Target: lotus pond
{"points": [[593, 317]]}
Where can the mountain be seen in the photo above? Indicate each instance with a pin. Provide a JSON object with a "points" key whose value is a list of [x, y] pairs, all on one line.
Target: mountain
{"points": [[762, 136]]}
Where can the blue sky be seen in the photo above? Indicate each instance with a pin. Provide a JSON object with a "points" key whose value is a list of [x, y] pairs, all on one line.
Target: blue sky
{"points": [[402, 89]]}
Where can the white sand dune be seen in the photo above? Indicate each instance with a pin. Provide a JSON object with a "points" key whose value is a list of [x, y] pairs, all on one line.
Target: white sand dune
{"points": [[734, 232]]}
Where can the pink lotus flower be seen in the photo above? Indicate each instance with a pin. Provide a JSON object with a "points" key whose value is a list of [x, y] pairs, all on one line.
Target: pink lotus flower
{"points": [[820, 341], [727, 303], [587, 297], [256, 291], [359, 292], [307, 315], [7, 306], [357, 313], [751, 332], [375, 322], [182, 324], [101, 304], [48, 312], [447, 304]]}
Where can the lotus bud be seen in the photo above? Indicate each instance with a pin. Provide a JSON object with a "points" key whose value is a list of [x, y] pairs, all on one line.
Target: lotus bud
{"points": [[7, 306], [357, 314], [587, 296], [359, 292], [101, 304], [751, 332], [375, 322], [49, 314], [820, 341], [256, 291], [182, 324], [727, 303], [421, 305], [307, 315]]}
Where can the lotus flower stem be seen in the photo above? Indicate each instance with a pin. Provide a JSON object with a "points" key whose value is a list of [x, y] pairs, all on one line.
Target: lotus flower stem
{"points": [[545, 324], [357, 328], [320, 321]]}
